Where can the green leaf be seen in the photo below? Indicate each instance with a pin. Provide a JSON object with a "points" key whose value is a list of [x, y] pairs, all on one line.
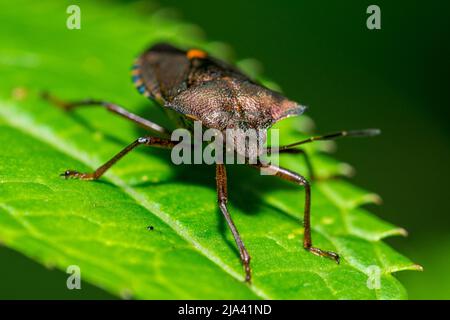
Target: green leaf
{"points": [[102, 226]]}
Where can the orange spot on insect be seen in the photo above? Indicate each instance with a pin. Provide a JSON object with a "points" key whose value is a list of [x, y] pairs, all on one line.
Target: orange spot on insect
{"points": [[196, 54]]}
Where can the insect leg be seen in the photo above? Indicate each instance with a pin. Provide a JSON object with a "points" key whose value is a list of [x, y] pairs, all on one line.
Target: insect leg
{"points": [[148, 141], [332, 136], [222, 197], [114, 108], [300, 180], [305, 155]]}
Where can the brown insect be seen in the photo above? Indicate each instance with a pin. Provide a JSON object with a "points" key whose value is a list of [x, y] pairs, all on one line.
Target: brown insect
{"points": [[191, 85]]}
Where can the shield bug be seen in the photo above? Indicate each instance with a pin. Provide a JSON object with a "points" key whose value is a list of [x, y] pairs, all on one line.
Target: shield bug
{"points": [[191, 85]]}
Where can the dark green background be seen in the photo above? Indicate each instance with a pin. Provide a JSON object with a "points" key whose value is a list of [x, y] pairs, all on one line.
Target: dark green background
{"points": [[322, 55]]}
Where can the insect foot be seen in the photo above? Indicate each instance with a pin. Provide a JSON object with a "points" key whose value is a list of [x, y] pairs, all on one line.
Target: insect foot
{"points": [[248, 270], [324, 253], [72, 174]]}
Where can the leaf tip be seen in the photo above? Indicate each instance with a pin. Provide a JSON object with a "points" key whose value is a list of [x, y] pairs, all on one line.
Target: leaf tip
{"points": [[403, 232], [373, 198], [417, 267], [346, 170]]}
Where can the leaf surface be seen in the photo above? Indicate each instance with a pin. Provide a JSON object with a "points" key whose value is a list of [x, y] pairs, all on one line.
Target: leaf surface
{"points": [[102, 226]]}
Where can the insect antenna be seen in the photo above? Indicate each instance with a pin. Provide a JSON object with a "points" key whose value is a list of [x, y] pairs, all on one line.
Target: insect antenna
{"points": [[332, 136]]}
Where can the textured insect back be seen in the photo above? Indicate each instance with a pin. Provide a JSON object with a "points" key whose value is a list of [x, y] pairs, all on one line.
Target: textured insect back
{"points": [[200, 87], [164, 70], [286, 109]]}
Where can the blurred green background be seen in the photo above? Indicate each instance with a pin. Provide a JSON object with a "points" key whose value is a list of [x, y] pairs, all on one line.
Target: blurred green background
{"points": [[322, 55]]}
